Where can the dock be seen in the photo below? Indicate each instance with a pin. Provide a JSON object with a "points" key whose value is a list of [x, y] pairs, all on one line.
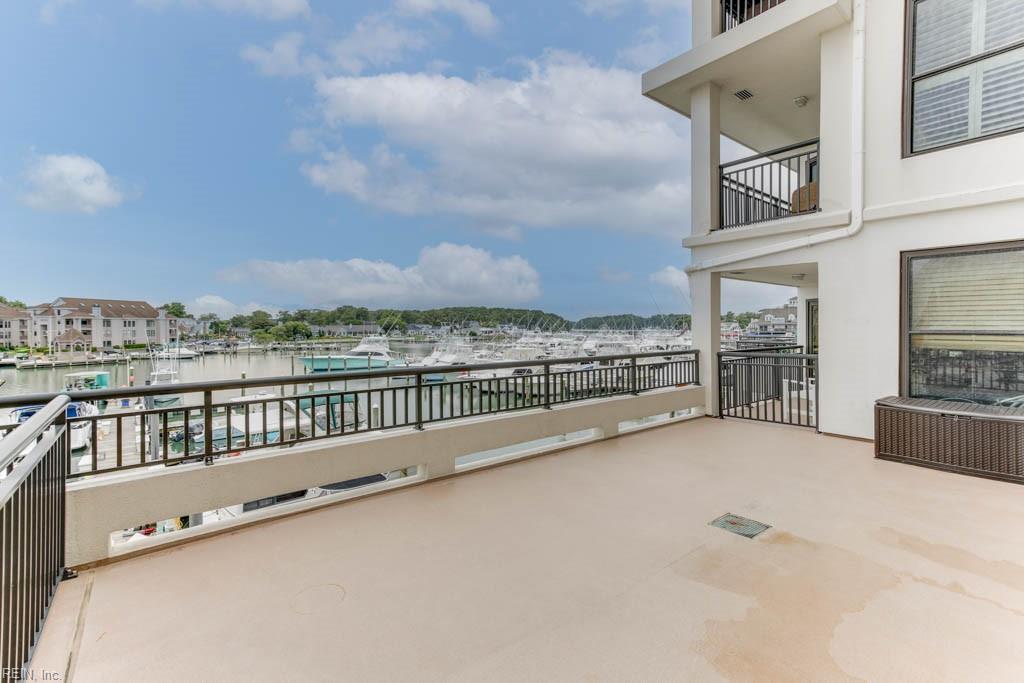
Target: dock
{"points": [[49, 364]]}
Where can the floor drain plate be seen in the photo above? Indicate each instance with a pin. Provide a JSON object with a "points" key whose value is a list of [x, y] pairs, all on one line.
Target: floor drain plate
{"points": [[740, 525]]}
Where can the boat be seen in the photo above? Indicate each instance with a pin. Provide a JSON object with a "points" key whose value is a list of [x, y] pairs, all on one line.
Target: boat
{"points": [[176, 353], [80, 432], [454, 352], [337, 411], [162, 376], [372, 353], [88, 380]]}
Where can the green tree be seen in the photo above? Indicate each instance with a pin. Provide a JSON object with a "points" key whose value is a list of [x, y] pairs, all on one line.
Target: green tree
{"points": [[13, 303], [260, 320], [290, 331], [744, 318], [176, 309]]}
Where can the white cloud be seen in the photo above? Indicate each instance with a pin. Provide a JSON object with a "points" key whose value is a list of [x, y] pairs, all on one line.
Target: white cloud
{"points": [[283, 58], [738, 296], [213, 303], [375, 41], [275, 10], [302, 140], [475, 14], [445, 274], [613, 8], [70, 183], [567, 144], [651, 47], [512, 233], [674, 279], [339, 173]]}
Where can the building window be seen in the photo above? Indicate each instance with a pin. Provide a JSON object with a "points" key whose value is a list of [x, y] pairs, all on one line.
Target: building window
{"points": [[963, 324], [965, 71]]}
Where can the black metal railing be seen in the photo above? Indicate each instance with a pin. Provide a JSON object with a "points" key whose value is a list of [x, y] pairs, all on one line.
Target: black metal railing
{"points": [[765, 187], [769, 386], [736, 12], [33, 462], [750, 344], [120, 429]]}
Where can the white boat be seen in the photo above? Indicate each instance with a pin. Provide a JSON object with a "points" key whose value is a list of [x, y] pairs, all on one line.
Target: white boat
{"points": [[325, 409], [88, 380], [453, 352], [162, 376], [79, 432], [176, 353], [372, 353]]}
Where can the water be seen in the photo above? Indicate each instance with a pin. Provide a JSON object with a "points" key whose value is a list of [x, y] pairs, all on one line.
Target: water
{"points": [[205, 368]]}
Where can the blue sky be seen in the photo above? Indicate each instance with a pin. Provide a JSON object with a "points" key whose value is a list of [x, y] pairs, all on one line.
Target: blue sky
{"points": [[283, 153]]}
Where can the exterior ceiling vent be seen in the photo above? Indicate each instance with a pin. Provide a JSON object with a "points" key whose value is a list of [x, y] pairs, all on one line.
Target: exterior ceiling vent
{"points": [[743, 95]]}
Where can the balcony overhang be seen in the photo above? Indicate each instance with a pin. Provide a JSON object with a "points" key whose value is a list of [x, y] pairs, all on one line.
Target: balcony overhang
{"points": [[775, 56]]}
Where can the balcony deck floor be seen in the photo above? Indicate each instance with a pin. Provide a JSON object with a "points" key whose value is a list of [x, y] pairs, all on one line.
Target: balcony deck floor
{"points": [[594, 563]]}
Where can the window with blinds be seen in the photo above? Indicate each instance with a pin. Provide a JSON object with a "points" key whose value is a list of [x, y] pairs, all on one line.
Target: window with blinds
{"points": [[964, 324], [966, 71]]}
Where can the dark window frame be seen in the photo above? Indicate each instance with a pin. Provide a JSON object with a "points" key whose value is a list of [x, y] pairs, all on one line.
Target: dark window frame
{"points": [[909, 79], [905, 294]]}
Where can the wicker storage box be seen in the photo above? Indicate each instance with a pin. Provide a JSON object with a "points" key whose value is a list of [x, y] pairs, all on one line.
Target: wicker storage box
{"points": [[985, 441]]}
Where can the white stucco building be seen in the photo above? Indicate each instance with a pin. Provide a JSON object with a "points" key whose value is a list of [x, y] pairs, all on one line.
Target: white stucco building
{"points": [[99, 323], [15, 325], [879, 148]]}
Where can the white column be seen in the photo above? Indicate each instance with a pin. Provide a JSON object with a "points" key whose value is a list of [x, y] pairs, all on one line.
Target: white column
{"points": [[706, 298], [705, 151], [707, 20]]}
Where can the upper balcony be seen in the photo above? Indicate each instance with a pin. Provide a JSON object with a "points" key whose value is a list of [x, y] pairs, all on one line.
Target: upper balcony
{"points": [[777, 184], [764, 55]]}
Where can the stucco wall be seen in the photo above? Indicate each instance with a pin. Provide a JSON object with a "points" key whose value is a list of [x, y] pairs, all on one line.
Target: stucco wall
{"points": [[95, 508]]}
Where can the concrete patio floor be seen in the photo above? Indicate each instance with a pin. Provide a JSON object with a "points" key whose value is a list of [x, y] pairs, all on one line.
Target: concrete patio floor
{"points": [[594, 563]]}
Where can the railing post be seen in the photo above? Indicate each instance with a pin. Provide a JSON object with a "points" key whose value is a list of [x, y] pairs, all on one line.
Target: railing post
{"points": [[419, 400], [547, 386], [208, 427], [721, 387], [817, 385], [636, 388], [721, 192]]}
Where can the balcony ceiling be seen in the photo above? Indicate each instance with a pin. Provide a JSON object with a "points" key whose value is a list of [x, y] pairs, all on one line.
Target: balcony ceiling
{"points": [[775, 56], [597, 563], [790, 275]]}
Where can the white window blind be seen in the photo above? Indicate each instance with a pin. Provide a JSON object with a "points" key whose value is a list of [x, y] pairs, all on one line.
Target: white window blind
{"points": [[983, 97], [1004, 23], [942, 33], [975, 292]]}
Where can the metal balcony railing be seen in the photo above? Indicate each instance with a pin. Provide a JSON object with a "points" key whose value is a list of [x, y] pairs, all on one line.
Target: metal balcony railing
{"points": [[33, 467], [777, 184], [112, 430], [779, 386], [736, 12]]}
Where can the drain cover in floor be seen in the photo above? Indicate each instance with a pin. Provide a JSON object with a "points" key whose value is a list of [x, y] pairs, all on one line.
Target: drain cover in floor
{"points": [[740, 525]]}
